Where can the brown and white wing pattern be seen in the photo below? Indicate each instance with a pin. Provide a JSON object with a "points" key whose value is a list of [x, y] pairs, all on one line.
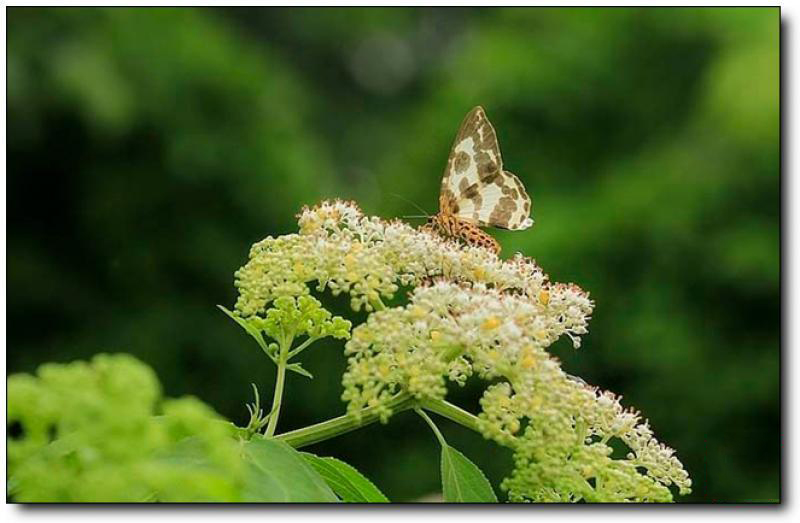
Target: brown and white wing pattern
{"points": [[503, 204], [475, 188]]}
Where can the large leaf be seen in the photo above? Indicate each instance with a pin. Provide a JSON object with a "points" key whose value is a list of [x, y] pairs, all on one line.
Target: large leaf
{"points": [[348, 483], [185, 473], [462, 480], [278, 473]]}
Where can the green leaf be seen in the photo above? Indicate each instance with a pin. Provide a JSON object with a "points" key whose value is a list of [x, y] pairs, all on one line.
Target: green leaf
{"points": [[462, 480], [189, 451], [250, 329], [278, 473], [348, 483], [296, 367]]}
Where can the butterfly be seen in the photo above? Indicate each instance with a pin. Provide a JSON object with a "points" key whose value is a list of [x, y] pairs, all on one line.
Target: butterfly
{"points": [[476, 191]]}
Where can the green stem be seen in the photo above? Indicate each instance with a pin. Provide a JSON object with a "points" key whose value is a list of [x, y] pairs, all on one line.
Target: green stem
{"points": [[451, 412], [377, 304], [297, 350], [432, 425], [347, 423], [277, 397], [343, 424]]}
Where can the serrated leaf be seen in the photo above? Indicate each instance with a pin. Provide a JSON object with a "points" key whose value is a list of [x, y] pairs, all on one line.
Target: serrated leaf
{"points": [[252, 331], [462, 480], [347, 482], [278, 473], [296, 367]]}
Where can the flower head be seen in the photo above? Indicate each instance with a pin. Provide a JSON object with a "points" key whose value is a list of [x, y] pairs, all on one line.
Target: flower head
{"points": [[341, 249]]}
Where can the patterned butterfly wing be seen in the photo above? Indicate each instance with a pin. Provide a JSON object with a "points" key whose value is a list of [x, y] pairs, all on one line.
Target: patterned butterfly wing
{"points": [[475, 188], [503, 204]]}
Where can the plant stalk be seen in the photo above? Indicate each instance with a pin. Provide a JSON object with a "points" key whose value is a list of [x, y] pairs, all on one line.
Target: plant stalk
{"points": [[300, 348], [451, 412], [432, 425], [277, 397], [347, 423], [343, 424]]}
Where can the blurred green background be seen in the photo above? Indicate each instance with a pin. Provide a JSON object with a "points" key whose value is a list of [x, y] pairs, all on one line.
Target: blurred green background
{"points": [[148, 149]]}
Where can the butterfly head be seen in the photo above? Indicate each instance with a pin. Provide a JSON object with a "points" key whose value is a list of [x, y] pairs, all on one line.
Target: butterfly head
{"points": [[433, 223], [443, 223]]}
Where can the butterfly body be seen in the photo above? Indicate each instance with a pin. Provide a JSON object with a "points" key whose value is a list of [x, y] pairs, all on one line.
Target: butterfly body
{"points": [[476, 191], [454, 227]]}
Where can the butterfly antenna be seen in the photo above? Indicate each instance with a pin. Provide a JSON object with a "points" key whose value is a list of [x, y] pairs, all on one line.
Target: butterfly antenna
{"points": [[420, 209]]}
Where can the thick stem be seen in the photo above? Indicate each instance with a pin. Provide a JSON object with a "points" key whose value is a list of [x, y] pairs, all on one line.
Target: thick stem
{"points": [[451, 412], [347, 423], [343, 424], [277, 397]]}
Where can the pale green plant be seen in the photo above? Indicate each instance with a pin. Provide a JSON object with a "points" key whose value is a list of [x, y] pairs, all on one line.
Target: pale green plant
{"points": [[468, 313]]}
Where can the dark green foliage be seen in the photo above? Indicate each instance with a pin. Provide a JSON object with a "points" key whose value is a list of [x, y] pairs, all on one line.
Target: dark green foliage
{"points": [[148, 149]]}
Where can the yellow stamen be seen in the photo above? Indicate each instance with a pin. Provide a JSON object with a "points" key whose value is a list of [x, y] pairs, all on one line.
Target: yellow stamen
{"points": [[544, 297], [490, 323]]}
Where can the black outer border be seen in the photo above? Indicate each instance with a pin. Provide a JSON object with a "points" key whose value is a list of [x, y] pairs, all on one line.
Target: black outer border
{"points": [[40, 507]]}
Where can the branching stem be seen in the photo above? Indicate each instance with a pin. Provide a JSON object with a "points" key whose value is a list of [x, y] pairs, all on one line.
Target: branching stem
{"points": [[300, 348], [347, 423], [432, 425], [451, 412], [343, 424]]}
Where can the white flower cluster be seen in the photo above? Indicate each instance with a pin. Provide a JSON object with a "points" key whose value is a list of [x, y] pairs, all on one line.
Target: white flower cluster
{"points": [[369, 258], [469, 313], [558, 427]]}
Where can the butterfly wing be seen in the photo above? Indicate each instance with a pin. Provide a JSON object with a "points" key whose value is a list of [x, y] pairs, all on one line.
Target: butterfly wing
{"points": [[475, 187], [502, 203], [474, 156]]}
